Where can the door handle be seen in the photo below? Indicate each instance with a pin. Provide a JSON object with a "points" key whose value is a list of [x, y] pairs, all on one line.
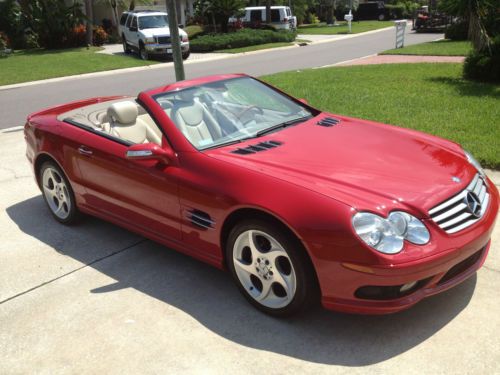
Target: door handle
{"points": [[84, 151]]}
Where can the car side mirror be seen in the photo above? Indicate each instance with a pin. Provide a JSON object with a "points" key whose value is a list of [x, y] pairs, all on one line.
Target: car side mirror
{"points": [[302, 100], [149, 151], [131, 28]]}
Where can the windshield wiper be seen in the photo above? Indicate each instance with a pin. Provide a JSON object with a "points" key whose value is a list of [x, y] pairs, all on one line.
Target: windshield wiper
{"points": [[282, 125]]}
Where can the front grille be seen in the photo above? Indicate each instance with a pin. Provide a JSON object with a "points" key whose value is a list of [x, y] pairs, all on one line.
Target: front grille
{"points": [[163, 39], [463, 209]]}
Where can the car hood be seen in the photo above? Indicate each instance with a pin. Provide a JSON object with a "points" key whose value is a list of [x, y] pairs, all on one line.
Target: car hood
{"points": [[161, 31], [366, 165]]}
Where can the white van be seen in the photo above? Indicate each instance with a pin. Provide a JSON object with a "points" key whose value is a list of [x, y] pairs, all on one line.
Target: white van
{"points": [[254, 17]]}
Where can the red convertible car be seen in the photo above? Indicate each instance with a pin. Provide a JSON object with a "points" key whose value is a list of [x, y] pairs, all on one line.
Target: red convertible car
{"points": [[298, 204]]}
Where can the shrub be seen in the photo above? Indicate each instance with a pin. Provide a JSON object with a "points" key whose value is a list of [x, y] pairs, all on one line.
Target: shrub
{"points": [[77, 36], [484, 66], [100, 36], [31, 40], [241, 38], [396, 11], [3, 45], [457, 31]]}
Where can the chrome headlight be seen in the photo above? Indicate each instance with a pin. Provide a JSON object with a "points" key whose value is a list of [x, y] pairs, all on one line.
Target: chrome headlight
{"points": [[387, 235], [151, 40], [475, 163]]}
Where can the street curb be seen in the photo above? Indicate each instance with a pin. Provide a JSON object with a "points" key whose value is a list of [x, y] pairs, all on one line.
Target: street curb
{"points": [[164, 65]]}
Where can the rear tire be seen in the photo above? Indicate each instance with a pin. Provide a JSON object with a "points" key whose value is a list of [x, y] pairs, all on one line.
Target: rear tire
{"points": [[271, 268], [58, 194], [381, 17], [126, 48]]}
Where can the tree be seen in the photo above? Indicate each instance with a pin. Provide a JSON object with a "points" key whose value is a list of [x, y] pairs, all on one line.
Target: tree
{"points": [[475, 13], [220, 10], [89, 14]]}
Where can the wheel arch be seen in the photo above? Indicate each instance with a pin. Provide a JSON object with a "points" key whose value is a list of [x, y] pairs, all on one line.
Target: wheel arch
{"points": [[39, 160], [246, 213]]}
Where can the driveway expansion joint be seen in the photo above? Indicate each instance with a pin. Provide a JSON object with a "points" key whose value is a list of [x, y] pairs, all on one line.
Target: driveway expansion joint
{"points": [[73, 271]]}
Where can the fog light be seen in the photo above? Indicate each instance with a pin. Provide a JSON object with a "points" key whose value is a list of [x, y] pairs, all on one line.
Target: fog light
{"points": [[407, 287]]}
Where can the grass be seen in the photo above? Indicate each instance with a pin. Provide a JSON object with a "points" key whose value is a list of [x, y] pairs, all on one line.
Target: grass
{"points": [[432, 98], [438, 48], [23, 66], [357, 27], [256, 47]]}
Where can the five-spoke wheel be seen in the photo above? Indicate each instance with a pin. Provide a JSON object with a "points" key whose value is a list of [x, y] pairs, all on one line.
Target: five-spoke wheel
{"points": [[270, 267], [57, 193]]}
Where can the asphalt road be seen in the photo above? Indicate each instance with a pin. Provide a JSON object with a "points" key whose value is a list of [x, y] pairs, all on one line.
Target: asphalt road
{"points": [[97, 299], [17, 103]]}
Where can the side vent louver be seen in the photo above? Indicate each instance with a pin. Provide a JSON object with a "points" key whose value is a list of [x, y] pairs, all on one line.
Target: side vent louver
{"points": [[328, 122], [200, 219], [252, 149]]}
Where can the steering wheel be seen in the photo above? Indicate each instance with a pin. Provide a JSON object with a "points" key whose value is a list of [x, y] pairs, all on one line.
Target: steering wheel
{"points": [[240, 115]]}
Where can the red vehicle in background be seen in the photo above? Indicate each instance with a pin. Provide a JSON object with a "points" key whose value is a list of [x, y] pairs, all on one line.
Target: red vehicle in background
{"points": [[298, 204]]}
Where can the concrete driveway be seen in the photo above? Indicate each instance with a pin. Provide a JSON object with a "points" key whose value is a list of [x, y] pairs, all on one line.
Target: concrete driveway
{"points": [[95, 298]]}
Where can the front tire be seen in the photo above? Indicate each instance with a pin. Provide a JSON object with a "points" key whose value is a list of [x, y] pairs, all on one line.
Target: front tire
{"points": [[186, 55], [58, 194], [271, 268], [143, 53]]}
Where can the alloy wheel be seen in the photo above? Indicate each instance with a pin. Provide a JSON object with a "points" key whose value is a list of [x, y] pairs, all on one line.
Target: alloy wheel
{"points": [[264, 269], [56, 193]]}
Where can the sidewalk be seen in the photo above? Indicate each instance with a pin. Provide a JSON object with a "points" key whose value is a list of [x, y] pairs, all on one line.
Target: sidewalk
{"points": [[402, 59]]}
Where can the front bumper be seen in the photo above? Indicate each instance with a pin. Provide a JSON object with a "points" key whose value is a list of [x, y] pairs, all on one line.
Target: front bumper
{"points": [[162, 49], [465, 252]]}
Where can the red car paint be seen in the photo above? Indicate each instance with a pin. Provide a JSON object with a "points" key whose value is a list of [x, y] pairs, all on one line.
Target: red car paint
{"points": [[313, 183]]}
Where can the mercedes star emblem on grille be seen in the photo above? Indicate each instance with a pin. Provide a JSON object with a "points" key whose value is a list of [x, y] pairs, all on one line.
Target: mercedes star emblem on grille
{"points": [[473, 203]]}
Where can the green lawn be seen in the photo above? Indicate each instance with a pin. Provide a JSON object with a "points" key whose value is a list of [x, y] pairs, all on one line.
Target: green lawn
{"points": [[438, 48], [256, 47], [357, 27], [25, 66], [432, 98]]}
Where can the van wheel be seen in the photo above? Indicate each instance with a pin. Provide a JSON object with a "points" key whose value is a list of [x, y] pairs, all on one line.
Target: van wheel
{"points": [[186, 55], [381, 17]]}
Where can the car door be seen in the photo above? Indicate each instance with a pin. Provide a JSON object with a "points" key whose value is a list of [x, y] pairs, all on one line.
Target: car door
{"points": [[139, 193], [132, 32]]}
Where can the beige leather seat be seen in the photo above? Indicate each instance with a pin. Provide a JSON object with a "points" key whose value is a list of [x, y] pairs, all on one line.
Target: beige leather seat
{"points": [[124, 124], [195, 122]]}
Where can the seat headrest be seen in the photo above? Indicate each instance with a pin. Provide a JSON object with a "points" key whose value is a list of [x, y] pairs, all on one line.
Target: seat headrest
{"points": [[124, 113], [193, 115]]}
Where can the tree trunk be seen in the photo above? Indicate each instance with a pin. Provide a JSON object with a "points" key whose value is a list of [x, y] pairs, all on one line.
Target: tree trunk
{"points": [[268, 11], [89, 14]]}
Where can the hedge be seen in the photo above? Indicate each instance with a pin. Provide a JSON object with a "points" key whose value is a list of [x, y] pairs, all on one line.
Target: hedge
{"points": [[240, 38]]}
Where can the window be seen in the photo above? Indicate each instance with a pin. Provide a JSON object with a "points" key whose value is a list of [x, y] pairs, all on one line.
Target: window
{"points": [[129, 20], [134, 22], [221, 112], [123, 18], [275, 15], [256, 16], [153, 22]]}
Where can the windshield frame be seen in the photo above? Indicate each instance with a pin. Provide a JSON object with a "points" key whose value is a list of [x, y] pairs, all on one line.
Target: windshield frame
{"points": [[313, 112]]}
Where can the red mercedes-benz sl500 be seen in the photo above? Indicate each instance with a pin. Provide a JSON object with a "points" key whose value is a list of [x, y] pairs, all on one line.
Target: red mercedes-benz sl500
{"points": [[298, 204]]}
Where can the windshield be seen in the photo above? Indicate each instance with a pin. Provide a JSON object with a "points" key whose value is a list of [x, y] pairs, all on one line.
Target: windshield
{"points": [[153, 22], [229, 111]]}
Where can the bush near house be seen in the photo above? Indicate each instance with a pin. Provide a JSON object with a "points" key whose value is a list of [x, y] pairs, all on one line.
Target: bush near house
{"points": [[241, 38]]}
